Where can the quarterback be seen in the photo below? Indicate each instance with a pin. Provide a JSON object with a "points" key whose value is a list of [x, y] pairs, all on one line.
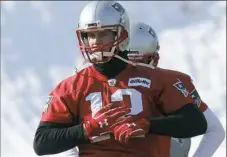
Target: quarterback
{"points": [[133, 102]]}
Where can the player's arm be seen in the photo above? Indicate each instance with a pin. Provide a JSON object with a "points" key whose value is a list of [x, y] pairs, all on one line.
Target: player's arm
{"points": [[213, 137], [183, 118], [53, 138], [188, 121], [214, 134], [58, 130], [185, 122]]}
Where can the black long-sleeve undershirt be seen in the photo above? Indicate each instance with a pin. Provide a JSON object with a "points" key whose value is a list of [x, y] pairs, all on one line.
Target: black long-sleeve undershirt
{"points": [[52, 138], [186, 122]]}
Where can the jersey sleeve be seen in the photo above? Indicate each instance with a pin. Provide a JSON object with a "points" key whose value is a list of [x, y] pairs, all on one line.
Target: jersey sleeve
{"points": [[195, 95], [59, 105], [177, 92]]}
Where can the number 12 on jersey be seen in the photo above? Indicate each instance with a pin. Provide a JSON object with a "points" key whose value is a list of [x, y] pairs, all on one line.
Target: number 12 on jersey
{"points": [[135, 98]]}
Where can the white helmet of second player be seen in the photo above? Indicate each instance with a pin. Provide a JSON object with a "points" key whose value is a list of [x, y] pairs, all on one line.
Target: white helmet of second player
{"points": [[100, 16], [144, 44]]}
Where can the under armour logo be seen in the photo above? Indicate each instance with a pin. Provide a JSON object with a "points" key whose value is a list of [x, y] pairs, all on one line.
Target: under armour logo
{"points": [[103, 124], [131, 125]]}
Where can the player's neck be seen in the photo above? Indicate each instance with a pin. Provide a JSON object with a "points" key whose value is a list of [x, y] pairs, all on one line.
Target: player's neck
{"points": [[113, 67]]}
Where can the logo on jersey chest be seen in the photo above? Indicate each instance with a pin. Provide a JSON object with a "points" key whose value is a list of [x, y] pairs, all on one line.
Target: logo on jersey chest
{"points": [[139, 81], [112, 82]]}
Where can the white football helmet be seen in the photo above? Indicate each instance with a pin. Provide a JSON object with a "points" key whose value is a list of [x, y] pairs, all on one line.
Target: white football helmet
{"points": [[100, 16], [144, 44]]}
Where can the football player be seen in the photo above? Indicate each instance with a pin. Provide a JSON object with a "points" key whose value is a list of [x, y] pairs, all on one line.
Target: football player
{"points": [[132, 101], [144, 46]]}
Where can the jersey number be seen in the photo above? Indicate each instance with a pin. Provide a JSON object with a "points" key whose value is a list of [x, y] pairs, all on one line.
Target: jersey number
{"points": [[135, 98]]}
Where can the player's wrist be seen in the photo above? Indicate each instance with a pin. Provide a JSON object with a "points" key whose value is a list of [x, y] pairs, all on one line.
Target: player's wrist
{"points": [[145, 124], [90, 127], [86, 128]]}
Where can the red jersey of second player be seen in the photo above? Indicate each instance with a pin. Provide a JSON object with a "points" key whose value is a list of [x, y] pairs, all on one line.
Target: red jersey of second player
{"points": [[149, 93]]}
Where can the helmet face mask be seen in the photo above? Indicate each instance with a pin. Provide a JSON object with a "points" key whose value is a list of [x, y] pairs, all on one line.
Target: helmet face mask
{"points": [[98, 17], [101, 52]]}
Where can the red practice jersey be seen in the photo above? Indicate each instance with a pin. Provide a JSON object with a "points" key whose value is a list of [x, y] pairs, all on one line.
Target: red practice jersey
{"points": [[149, 93]]}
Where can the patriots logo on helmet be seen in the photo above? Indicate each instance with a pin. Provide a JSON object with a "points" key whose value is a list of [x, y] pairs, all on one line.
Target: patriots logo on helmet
{"points": [[151, 31], [118, 7]]}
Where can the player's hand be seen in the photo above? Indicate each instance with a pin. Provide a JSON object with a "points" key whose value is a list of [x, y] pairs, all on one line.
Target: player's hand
{"points": [[131, 129], [105, 119]]}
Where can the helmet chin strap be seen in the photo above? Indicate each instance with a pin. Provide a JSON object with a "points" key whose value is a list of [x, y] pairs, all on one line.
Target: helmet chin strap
{"points": [[151, 63], [108, 54], [134, 63], [99, 55]]}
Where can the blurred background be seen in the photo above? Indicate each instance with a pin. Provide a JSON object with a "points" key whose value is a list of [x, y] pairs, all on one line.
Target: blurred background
{"points": [[39, 49]]}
